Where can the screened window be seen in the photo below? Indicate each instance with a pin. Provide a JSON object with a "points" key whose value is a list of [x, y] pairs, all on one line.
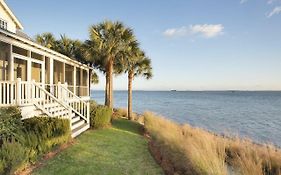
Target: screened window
{"points": [[3, 24]]}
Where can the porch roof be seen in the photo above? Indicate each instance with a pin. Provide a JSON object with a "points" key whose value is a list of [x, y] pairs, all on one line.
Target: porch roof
{"points": [[40, 47]]}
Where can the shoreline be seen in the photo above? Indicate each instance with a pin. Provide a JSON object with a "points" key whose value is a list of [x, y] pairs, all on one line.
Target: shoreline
{"points": [[223, 135]]}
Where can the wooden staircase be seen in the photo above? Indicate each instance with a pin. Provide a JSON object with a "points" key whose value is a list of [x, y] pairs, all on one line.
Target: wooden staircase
{"points": [[63, 105]]}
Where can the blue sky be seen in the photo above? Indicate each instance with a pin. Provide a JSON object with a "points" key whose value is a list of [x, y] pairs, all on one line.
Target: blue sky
{"points": [[194, 44]]}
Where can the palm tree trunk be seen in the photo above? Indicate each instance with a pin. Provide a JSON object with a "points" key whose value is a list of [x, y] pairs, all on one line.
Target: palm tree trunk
{"points": [[90, 82], [110, 91], [107, 83], [106, 100], [130, 94]]}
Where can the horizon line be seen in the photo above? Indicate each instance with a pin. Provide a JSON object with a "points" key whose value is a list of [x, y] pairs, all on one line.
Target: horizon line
{"points": [[191, 90]]}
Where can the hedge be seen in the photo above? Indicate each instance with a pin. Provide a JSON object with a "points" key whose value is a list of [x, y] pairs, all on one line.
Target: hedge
{"points": [[100, 116], [22, 142]]}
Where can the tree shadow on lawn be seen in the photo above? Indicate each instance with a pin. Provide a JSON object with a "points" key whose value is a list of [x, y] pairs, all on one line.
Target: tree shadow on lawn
{"points": [[127, 125]]}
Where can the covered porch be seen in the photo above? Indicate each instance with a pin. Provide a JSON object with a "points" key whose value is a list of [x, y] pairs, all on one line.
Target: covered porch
{"points": [[20, 65]]}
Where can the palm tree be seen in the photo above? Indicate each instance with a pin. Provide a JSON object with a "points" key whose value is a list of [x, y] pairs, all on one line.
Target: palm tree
{"points": [[68, 47], [107, 42], [46, 39], [65, 45], [136, 63], [94, 78]]}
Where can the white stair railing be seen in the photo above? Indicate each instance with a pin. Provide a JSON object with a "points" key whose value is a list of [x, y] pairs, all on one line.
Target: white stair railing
{"points": [[23, 93], [77, 104], [42, 99]]}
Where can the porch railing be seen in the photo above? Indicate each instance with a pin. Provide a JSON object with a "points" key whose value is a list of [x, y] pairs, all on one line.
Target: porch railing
{"points": [[23, 93], [77, 104], [8, 93], [18, 93]]}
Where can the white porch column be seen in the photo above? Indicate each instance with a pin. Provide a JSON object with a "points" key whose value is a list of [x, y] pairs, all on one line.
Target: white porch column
{"points": [[43, 72], [28, 78], [88, 82], [11, 64], [11, 72], [51, 75], [81, 82], [74, 80], [29, 66], [63, 73]]}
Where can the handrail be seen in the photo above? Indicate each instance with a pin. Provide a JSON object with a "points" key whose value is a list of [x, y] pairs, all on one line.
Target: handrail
{"points": [[51, 96], [71, 93], [58, 101], [78, 108]]}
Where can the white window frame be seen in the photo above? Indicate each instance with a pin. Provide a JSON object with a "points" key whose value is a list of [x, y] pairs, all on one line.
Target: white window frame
{"points": [[3, 24]]}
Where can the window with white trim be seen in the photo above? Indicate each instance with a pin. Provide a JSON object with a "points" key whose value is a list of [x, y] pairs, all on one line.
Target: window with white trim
{"points": [[3, 24]]}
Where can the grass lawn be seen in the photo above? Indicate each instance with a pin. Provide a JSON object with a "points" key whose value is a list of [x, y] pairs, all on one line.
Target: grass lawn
{"points": [[118, 150]]}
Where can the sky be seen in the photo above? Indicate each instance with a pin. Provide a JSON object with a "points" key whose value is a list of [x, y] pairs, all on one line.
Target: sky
{"points": [[193, 44]]}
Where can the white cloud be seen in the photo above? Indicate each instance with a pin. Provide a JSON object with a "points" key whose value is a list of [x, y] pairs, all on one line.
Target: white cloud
{"points": [[205, 30], [275, 11], [208, 30], [183, 31], [273, 1], [243, 1], [270, 1]]}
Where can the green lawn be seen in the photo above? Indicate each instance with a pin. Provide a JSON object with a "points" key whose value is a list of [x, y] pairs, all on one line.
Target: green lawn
{"points": [[118, 150]]}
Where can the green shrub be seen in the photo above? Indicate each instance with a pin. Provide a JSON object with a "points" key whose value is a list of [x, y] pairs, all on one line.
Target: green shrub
{"points": [[42, 133], [23, 141], [93, 106], [13, 156], [100, 117], [47, 127], [10, 124]]}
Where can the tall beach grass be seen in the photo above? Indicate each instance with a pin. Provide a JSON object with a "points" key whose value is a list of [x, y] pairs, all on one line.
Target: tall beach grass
{"points": [[183, 149]]}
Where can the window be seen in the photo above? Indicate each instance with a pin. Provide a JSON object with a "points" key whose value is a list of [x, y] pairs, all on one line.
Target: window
{"points": [[3, 24]]}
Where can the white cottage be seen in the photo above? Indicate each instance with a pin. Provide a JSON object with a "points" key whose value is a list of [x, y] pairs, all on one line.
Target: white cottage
{"points": [[39, 80]]}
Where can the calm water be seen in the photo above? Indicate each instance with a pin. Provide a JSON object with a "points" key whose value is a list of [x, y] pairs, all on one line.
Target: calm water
{"points": [[256, 115]]}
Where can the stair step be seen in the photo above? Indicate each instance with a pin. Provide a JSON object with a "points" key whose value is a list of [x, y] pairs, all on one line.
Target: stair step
{"points": [[79, 130], [77, 124], [52, 105], [55, 109], [75, 119], [61, 113]]}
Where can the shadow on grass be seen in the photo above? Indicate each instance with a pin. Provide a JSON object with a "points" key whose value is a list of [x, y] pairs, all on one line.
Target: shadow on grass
{"points": [[129, 126]]}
